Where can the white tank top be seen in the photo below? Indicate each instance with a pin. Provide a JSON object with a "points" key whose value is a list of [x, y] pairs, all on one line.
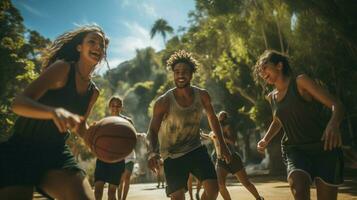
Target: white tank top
{"points": [[179, 133]]}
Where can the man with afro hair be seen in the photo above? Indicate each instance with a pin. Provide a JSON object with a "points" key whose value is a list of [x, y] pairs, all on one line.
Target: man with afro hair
{"points": [[174, 132]]}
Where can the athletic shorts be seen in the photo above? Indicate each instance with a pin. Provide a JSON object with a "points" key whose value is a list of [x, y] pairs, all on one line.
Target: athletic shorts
{"points": [[177, 170], [129, 166], [27, 164], [315, 162], [109, 172], [234, 166]]}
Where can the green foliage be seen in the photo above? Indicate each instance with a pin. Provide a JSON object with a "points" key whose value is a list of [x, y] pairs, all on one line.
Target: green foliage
{"points": [[137, 101], [17, 69], [161, 26]]}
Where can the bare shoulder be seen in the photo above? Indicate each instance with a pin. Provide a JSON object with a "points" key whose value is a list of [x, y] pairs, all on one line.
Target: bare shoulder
{"points": [[56, 74], [203, 94], [59, 66], [304, 80], [162, 103]]}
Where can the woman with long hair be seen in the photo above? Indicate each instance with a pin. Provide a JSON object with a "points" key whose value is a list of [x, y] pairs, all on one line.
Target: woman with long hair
{"points": [[56, 103]]}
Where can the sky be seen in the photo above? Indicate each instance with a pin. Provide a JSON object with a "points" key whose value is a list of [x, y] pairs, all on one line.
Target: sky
{"points": [[127, 23]]}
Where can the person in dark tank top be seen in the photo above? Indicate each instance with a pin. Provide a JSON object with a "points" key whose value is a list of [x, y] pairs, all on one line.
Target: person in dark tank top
{"points": [[310, 146], [53, 105]]}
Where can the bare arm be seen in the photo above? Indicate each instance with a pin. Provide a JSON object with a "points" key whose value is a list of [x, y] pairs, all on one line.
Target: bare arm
{"points": [[273, 129], [332, 134], [27, 105], [159, 111], [214, 123]]}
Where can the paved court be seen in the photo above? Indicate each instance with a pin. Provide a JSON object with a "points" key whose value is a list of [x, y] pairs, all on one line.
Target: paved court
{"points": [[271, 188]]}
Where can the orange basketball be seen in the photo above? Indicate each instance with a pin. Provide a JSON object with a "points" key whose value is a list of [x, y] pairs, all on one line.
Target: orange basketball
{"points": [[111, 139]]}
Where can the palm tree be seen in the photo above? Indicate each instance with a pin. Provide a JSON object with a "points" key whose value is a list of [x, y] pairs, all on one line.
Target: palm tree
{"points": [[161, 26]]}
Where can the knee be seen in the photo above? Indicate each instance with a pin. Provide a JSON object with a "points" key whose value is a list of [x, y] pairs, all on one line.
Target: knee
{"points": [[98, 193], [300, 190], [221, 184], [212, 189]]}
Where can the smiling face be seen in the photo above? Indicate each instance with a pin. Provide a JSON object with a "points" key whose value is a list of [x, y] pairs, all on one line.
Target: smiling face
{"points": [[182, 75], [92, 47], [115, 107], [270, 72]]}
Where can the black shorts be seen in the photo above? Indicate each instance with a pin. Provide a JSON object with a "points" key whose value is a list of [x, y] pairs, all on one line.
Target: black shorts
{"points": [[27, 164], [315, 162], [109, 172], [129, 166], [234, 166], [196, 162]]}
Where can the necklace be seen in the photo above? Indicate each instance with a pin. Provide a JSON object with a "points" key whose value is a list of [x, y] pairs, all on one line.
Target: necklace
{"points": [[83, 78]]}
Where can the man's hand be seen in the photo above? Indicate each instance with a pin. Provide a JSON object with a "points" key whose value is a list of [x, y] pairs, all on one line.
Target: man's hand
{"points": [[154, 162]]}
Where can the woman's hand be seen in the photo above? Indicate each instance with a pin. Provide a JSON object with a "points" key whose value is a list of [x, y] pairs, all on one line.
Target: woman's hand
{"points": [[66, 120], [262, 145], [331, 136]]}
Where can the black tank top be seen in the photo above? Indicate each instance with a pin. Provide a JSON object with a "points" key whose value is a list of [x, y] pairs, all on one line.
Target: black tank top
{"points": [[45, 132], [303, 121]]}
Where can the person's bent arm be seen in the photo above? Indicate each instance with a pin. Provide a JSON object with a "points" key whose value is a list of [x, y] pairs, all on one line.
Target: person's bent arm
{"points": [[214, 124], [273, 129], [332, 135], [27, 105], [159, 111]]}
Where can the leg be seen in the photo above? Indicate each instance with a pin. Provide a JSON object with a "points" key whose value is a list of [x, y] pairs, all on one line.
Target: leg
{"points": [[178, 195], [243, 178], [98, 190], [198, 188], [189, 186], [299, 182], [120, 189], [221, 177], [62, 184], [17, 192], [324, 191], [111, 191], [126, 177], [211, 189], [158, 177]]}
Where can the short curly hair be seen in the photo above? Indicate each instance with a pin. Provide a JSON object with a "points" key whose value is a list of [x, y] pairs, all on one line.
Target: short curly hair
{"points": [[182, 56]]}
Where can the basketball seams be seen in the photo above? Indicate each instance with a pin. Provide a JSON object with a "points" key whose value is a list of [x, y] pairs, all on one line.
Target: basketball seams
{"points": [[111, 139]]}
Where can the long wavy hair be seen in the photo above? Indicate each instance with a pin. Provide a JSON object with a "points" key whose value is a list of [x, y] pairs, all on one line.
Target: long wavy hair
{"points": [[65, 46]]}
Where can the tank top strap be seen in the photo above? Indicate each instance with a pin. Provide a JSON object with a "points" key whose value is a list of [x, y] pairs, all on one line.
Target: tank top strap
{"points": [[196, 95], [71, 80]]}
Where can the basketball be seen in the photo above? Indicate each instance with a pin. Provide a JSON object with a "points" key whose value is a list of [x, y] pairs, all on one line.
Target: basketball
{"points": [[111, 139]]}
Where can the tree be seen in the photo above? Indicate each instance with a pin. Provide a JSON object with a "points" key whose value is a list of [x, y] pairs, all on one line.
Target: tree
{"points": [[161, 26], [17, 67]]}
